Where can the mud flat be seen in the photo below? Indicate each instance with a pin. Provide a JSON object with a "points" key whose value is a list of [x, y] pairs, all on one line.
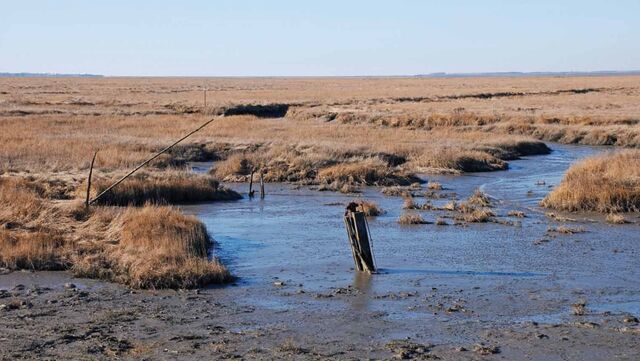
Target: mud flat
{"points": [[513, 289]]}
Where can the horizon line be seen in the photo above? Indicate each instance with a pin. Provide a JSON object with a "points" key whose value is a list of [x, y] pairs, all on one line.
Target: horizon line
{"points": [[420, 75]]}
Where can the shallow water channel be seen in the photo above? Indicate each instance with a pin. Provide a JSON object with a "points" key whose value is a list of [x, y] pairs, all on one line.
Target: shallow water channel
{"points": [[297, 236]]}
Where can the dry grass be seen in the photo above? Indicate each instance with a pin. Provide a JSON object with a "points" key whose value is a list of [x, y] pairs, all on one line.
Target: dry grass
{"points": [[409, 203], [411, 218], [55, 126], [614, 218], [517, 214], [396, 191], [157, 247], [607, 183], [148, 247], [478, 215], [566, 230], [436, 186], [169, 187], [313, 165], [370, 209], [479, 198], [31, 231], [337, 133], [579, 308]]}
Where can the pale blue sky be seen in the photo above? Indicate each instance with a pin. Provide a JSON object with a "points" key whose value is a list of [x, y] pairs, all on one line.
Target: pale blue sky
{"points": [[243, 38]]}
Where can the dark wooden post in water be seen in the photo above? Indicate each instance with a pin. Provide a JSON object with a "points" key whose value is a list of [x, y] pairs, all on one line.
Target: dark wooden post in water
{"points": [[261, 186], [251, 184], [359, 239]]}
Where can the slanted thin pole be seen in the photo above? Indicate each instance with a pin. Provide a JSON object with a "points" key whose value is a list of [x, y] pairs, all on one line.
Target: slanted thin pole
{"points": [[86, 202], [149, 160]]}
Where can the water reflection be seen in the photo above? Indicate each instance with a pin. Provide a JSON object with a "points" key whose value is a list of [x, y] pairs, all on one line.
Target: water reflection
{"points": [[362, 283]]}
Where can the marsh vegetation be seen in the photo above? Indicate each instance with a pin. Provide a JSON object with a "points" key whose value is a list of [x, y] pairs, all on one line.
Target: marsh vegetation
{"points": [[337, 135]]}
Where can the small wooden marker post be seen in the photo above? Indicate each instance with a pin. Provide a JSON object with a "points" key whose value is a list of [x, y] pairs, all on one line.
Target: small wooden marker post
{"points": [[358, 233], [204, 92], [261, 186], [86, 202], [251, 191]]}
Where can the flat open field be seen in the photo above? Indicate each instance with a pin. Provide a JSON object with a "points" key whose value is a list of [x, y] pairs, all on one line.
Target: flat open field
{"points": [[486, 249]]}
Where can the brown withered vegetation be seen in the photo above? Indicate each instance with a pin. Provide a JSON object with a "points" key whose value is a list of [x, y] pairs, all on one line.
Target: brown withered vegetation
{"points": [[156, 247], [169, 187], [147, 247], [606, 183], [370, 209], [335, 133], [411, 218]]}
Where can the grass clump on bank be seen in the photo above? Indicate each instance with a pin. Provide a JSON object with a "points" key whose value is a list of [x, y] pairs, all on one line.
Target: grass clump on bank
{"points": [[147, 247], [607, 183], [169, 187], [31, 234], [154, 247], [330, 168]]}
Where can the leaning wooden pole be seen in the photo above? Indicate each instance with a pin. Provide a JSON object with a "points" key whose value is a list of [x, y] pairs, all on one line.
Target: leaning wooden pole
{"points": [[93, 160], [359, 239], [149, 160]]}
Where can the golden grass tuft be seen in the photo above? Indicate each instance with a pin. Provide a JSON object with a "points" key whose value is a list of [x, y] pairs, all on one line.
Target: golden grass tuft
{"points": [[147, 247], [409, 203], [411, 218], [606, 183], [615, 218], [33, 250], [366, 172], [436, 186], [565, 230], [479, 198], [478, 216], [517, 214], [370, 209], [30, 228], [159, 247], [396, 191], [169, 187]]}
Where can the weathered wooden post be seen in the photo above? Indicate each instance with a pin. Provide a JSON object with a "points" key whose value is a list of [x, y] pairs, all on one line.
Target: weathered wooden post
{"points": [[251, 192], [261, 186], [359, 239]]}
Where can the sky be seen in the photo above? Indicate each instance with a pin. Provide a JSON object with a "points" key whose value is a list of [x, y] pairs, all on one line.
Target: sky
{"points": [[316, 38]]}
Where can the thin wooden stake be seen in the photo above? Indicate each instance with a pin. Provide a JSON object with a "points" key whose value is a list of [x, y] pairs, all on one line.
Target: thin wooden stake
{"points": [[86, 202], [149, 160], [261, 186], [251, 184], [205, 97]]}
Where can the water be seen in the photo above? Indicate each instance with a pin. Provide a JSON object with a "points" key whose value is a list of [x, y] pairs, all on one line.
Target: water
{"points": [[298, 236]]}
